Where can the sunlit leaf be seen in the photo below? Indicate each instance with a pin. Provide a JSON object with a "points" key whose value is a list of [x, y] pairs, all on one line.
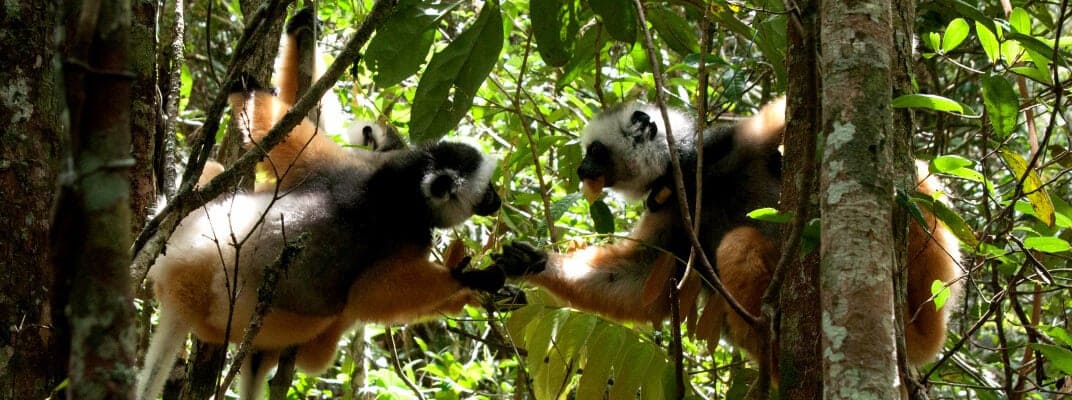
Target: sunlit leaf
{"points": [[933, 40], [1047, 244], [988, 40], [930, 102], [769, 214], [449, 83], [940, 293], [1036, 194], [947, 216], [560, 206], [1002, 104], [956, 166], [619, 18], [1058, 333], [1020, 21], [954, 35]]}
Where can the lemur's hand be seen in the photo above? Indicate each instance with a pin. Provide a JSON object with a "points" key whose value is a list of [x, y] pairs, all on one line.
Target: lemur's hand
{"points": [[520, 258], [490, 279]]}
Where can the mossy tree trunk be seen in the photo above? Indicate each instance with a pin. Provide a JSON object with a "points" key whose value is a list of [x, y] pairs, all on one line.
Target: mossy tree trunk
{"points": [[32, 111], [856, 201], [91, 232]]}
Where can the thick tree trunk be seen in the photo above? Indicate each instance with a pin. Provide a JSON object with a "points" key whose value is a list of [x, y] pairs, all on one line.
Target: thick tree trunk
{"points": [[31, 148], [856, 200], [145, 111], [92, 228]]}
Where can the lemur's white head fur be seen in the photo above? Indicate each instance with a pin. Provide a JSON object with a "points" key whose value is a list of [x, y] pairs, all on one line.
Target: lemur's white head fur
{"points": [[459, 183], [634, 135]]}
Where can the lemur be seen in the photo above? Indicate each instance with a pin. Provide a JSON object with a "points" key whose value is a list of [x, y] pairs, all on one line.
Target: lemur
{"points": [[626, 151], [369, 218]]}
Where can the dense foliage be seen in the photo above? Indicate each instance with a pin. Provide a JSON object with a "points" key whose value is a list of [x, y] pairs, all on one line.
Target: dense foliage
{"points": [[522, 77]]}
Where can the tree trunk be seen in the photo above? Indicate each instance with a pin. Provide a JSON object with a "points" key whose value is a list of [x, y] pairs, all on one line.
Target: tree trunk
{"points": [[92, 228], [800, 360], [31, 149], [856, 192], [145, 111]]}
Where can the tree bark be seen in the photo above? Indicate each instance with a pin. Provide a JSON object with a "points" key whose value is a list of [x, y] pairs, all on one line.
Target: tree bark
{"points": [[92, 228], [800, 362], [145, 111], [856, 192], [31, 148]]}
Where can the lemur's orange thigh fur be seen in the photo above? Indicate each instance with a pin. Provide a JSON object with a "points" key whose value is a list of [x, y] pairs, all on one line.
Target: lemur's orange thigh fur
{"points": [[402, 288]]}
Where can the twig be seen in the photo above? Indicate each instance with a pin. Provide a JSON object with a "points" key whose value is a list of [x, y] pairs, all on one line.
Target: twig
{"points": [[265, 292], [532, 142], [392, 349]]}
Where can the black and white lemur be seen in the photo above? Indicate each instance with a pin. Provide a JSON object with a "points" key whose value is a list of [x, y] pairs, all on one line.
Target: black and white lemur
{"points": [[369, 218], [626, 151]]}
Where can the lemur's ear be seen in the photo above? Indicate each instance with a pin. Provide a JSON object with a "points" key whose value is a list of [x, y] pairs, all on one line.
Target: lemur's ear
{"points": [[643, 128], [441, 185]]}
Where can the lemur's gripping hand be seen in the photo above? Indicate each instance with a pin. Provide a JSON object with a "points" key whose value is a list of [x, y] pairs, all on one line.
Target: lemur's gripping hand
{"points": [[520, 258], [488, 280]]}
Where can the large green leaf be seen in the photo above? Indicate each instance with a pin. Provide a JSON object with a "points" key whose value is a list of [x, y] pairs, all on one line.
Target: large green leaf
{"points": [[1047, 244], [619, 18], [954, 35], [554, 26], [584, 56], [947, 216], [401, 45], [449, 84], [930, 102], [1059, 357], [1036, 194], [988, 40], [1002, 104], [673, 29]]}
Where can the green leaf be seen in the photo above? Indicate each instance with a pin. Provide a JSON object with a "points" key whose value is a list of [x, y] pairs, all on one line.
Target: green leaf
{"points": [[1020, 21], [401, 45], [947, 216], [955, 34], [628, 380], [584, 56], [1036, 194], [1034, 44], [560, 206], [988, 40], [601, 217], [673, 29], [554, 25], [619, 17], [1002, 104], [1047, 244], [1058, 333], [770, 214], [940, 293], [602, 355], [1060, 357], [957, 166], [1034, 73], [772, 41], [449, 83], [933, 40], [930, 102]]}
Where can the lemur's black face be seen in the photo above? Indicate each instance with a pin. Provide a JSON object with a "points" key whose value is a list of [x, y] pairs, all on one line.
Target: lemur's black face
{"points": [[598, 163]]}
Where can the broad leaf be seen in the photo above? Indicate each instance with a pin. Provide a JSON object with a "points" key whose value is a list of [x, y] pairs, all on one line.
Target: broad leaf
{"points": [[401, 45], [674, 30], [1047, 244], [957, 166], [940, 293], [988, 40], [769, 214], [1020, 21], [447, 87], [954, 35], [1059, 357], [619, 17], [947, 216], [1036, 194], [554, 26], [930, 102], [1002, 104]]}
